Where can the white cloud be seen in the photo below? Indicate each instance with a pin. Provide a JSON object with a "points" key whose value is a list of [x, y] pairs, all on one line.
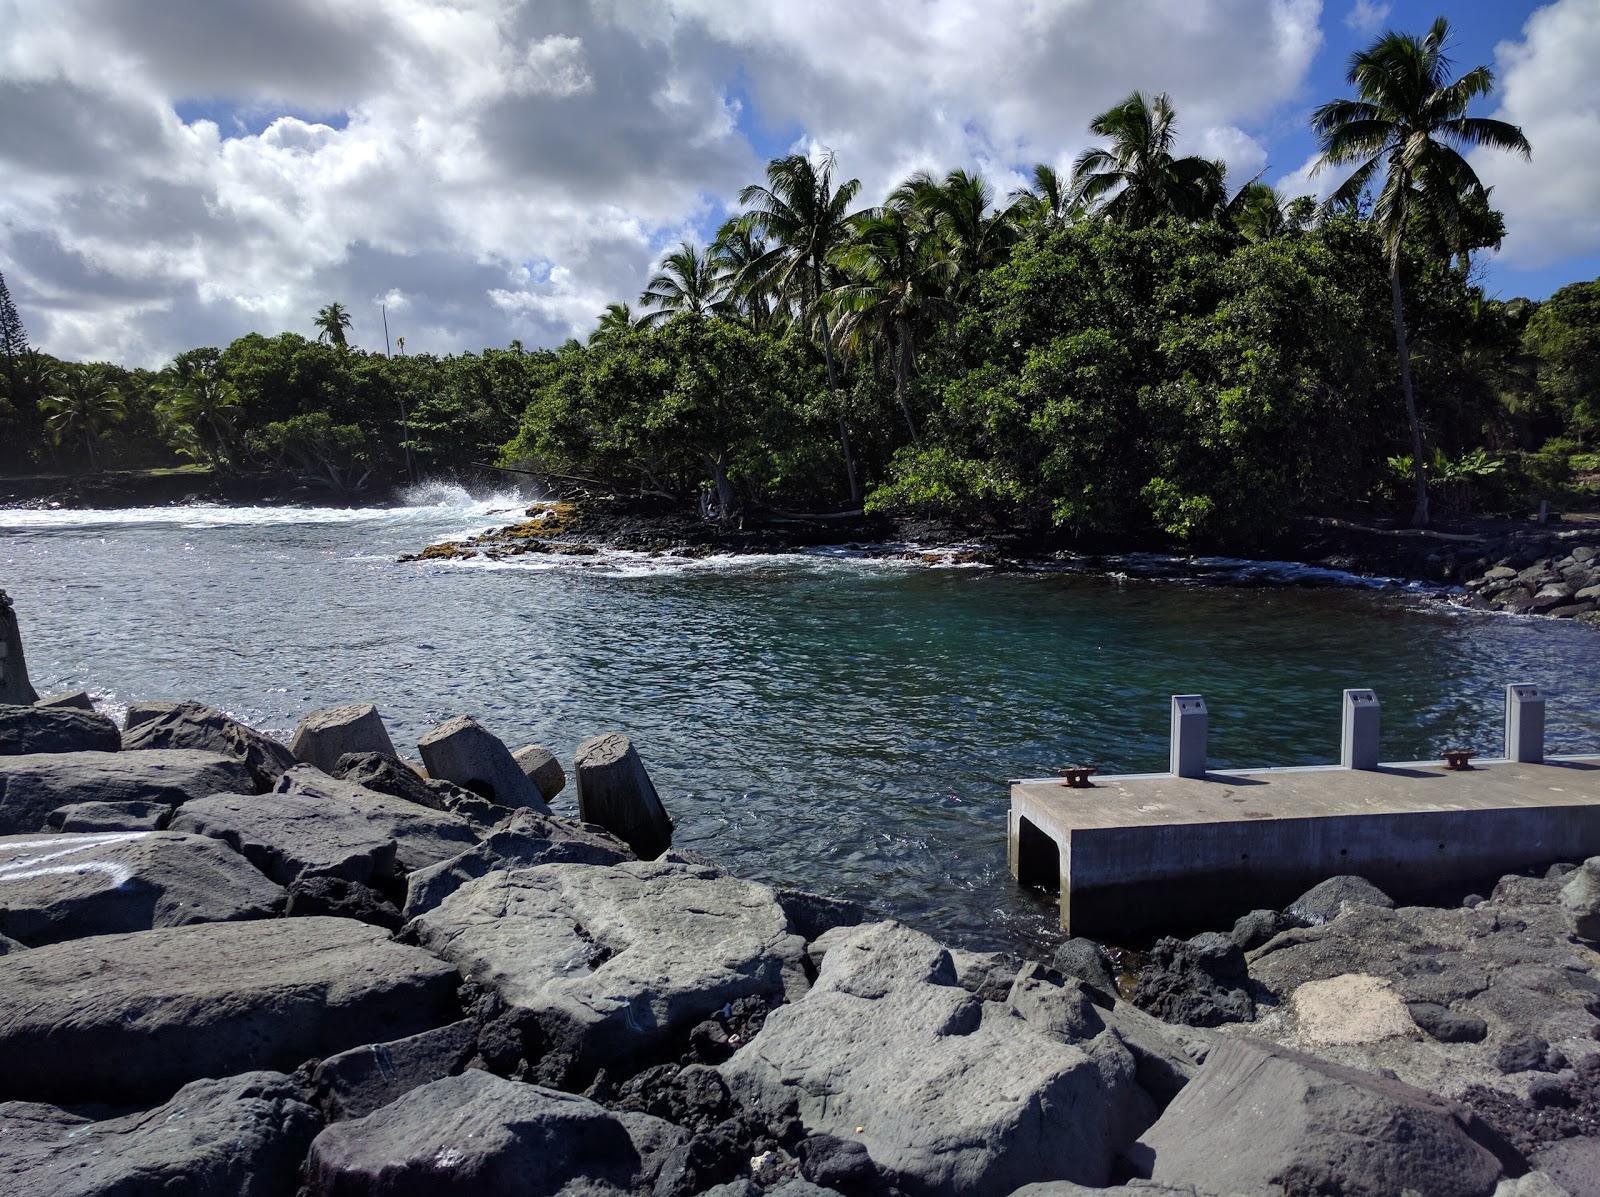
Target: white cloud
{"points": [[1550, 87], [507, 167], [1367, 16]]}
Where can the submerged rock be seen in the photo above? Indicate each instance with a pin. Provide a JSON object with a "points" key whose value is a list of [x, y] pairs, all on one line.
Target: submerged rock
{"points": [[58, 887], [244, 1136], [195, 725], [616, 793], [33, 786], [123, 1018], [29, 729]]}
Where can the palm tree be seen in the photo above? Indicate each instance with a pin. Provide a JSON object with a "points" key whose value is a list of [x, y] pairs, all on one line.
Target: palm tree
{"points": [[332, 321], [689, 280], [1409, 123], [958, 210], [1256, 212], [199, 403], [807, 219], [616, 319], [1136, 179], [85, 405], [1048, 204], [897, 273], [746, 261]]}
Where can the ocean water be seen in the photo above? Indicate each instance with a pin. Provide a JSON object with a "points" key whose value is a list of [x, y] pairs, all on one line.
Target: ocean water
{"points": [[825, 719]]}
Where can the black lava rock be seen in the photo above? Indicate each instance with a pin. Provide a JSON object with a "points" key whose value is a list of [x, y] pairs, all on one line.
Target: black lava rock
{"points": [[1447, 1026]]}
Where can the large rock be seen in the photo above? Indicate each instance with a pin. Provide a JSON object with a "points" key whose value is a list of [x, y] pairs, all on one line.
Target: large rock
{"points": [[524, 840], [477, 1135], [321, 827], [139, 815], [462, 751], [14, 684], [327, 734], [1326, 901], [33, 786], [542, 768], [28, 729], [952, 1093], [76, 699], [1580, 900], [243, 1135], [125, 1018], [195, 725], [1202, 982], [616, 793], [143, 710], [1263, 1119], [354, 1083], [384, 773], [603, 967], [64, 886]]}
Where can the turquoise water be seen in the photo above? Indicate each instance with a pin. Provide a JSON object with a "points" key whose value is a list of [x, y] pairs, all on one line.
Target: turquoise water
{"points": [[842, 724]]}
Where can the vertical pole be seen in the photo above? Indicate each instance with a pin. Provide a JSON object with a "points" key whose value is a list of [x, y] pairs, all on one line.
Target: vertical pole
{"points": [[1524, 724], [1358, 741], [384, 308], [1188, 754]]}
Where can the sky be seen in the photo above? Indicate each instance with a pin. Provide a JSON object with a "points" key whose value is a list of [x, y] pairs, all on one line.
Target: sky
{"points": [[177, 173]]}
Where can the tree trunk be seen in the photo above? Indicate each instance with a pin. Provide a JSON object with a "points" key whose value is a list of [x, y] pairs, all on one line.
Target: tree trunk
{"points": [[88, 443], [833, 389], [902, 377], [1419, 468], [726, 499]]}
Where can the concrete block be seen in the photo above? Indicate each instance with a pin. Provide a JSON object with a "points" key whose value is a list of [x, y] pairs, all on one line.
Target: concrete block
{"points": [[77, 700], [325, 735], [1358, 741], [462, 751], [1524, 724], [1189, 724], [616, 793], [542, 768]]}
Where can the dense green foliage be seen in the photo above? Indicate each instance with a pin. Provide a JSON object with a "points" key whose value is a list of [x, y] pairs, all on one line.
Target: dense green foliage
{"points": [[1134, 350]]}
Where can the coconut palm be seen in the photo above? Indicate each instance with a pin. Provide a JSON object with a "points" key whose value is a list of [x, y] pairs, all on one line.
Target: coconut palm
{"points": [[199, 405], [1256, 212], [958, 210], [82, 407], [332, 323], [618, 318], [1408, 125], [746, 260], [897, 272], [1048, 204], [807, 219], [1135, 179], [690, 280]]}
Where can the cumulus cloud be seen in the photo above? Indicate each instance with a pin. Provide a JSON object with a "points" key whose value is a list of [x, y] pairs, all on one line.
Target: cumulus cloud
{"points": [[1549, 86], [1367, 16], [504, 168]]}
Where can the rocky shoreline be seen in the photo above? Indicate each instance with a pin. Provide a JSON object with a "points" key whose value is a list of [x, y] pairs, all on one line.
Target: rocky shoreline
{"points": [[234, 965]]}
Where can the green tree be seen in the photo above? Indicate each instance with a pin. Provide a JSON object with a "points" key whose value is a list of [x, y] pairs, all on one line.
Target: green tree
{"points": [[332, 323], [13, 337], [1046, 205], [1135, 179], [745, 259], [807, 219], [690, 280], [82, 408], [1257, 213], [617, 318], [959, 210], [324, 453], [1408, 124], [1563, 336], [200, 406]]}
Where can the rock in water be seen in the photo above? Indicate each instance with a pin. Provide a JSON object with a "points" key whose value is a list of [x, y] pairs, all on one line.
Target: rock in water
{"points": [[477, 1135], [615, 792], [58, 887], [244, 1136], [607, 966], [526, 839], [462, 751], [1580, 900], [955, 1094], [14, 684], [55, 729], [127, 1018], [194, 725], [325, 735], [542, 768], [1264, 1119], [33, 786]]}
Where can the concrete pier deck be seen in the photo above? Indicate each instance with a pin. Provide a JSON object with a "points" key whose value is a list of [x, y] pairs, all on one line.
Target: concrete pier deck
{"points": [[1138, 853]]}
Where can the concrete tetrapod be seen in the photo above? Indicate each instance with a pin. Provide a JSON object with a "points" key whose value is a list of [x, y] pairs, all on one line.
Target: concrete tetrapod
{"points": [[616, 793]]}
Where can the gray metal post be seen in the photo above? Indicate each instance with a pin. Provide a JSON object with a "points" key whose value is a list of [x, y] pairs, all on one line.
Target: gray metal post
{"points": [[1358, 741], [1188, 735], [1524, 724]]}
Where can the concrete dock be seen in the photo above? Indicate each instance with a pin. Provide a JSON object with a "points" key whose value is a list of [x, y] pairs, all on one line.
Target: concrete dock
{"points": [[1137, 854]]}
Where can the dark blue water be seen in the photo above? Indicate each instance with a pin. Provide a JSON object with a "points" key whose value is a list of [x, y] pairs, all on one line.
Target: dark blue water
{"points": [[840, 724]]}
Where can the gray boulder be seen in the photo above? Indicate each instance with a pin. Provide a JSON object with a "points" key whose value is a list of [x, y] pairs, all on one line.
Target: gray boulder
{"points": [[110, 816], [542, 768], [78, 700], [29, 729], [422, 837], [125, 1018], [55, 887], [462, 751], [243, 1135], [1088, 962], [144, 710], [1326, 901], [1254, 929], [195, 725], [1580, 900], [811, 915], [327, 734], [386, 774], [477, 1135], [952, 1093], [522, 841], [1264, 1119], [605, 966], [615, 792], [33, 786], [1201, 982], [987, 974], [354, 1083], [14, 684]]}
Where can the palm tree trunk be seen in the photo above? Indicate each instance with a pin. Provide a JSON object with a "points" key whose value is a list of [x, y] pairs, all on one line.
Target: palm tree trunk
{"points": [[1419, 469], [88, 443], [902, 377], [833, 389]]}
